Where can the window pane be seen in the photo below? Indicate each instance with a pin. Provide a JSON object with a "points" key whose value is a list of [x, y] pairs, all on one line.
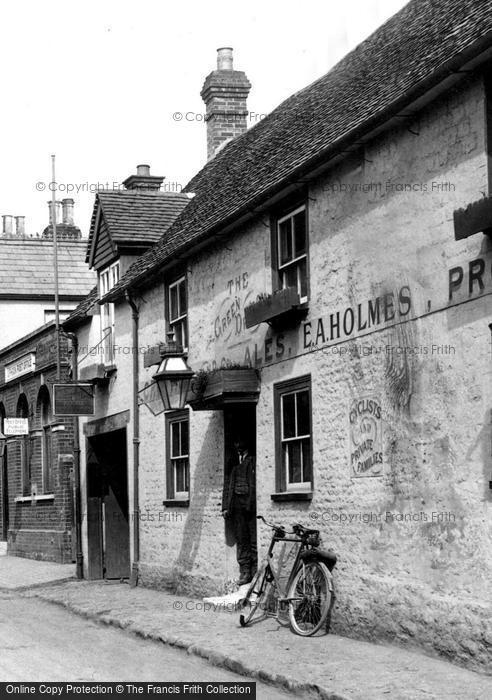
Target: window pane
{"points": [[175, 439], [182, 297], [289, 416], [302, 271], [181, 474], [303, 418], [294, 462], [289, 277], [300, 233], [285, 241], [306, 460], [173, 302], [184, 437]]}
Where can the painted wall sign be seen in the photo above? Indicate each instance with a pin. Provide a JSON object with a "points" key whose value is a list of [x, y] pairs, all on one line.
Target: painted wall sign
{"points": [[73, 399], [366, 437], [391, 307], [16, 426], [23, 365]]}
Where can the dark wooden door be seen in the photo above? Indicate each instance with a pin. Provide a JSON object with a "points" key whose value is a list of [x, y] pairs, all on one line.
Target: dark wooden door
{"points": [[109, 538]]}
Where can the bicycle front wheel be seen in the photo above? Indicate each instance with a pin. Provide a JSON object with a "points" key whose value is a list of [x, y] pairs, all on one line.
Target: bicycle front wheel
{"points": [[310, 598], [255, 598]]}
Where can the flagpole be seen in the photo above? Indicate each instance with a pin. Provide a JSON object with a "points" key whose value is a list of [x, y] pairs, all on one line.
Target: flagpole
{"points": [[55, 265]]}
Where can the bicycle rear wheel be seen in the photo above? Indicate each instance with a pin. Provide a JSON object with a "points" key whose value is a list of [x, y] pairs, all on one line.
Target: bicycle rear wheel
{"points": [[255, 597], [310, 598]]}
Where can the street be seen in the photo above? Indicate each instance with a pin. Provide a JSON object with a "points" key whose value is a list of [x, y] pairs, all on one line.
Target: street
{"points": [[42, 642]]}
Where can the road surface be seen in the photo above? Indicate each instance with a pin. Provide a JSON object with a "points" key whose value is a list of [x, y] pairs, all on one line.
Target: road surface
{"points": [[43, 642]]}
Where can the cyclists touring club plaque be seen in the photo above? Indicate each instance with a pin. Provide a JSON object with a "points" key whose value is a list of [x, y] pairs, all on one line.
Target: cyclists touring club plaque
{"points": [[366, 437]]}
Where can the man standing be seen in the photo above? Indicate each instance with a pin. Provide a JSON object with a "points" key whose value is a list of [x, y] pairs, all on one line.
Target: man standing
{"points": [[239, 504]]}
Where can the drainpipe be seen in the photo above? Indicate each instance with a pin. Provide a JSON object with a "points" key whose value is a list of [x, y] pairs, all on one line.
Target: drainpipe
{"points": [[136, 441], [79, 565]]}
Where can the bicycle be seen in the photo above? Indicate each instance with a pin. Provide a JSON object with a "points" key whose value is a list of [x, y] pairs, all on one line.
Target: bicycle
{"points": [[309, 592]]}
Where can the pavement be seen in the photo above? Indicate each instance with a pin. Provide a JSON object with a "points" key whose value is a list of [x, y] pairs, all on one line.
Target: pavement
{"points": [[17, 573], [330, 667]]}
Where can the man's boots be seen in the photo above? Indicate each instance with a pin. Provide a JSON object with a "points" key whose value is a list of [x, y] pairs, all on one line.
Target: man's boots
{"points": [[244, 575]]}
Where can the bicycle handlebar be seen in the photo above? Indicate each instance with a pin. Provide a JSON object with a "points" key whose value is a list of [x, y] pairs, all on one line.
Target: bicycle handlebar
{"points": [[297, 528]]}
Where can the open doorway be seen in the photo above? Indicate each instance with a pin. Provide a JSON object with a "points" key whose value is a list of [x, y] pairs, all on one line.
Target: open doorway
{"points": [[240, 485], [107, 506]]}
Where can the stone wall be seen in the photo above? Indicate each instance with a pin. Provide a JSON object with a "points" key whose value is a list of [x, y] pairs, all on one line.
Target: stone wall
{"points": [[413, 541]]}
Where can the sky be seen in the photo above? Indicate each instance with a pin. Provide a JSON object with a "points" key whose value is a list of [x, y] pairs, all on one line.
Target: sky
{"points": [[98, 84]]}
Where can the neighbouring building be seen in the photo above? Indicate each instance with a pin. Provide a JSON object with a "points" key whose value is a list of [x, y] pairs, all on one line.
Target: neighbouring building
{"points": [[27, 297], [331, 278], [125, 223], [36, 482]]}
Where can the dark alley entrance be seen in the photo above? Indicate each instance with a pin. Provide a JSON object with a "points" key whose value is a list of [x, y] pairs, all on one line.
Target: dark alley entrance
{"points": [[107, 506]]}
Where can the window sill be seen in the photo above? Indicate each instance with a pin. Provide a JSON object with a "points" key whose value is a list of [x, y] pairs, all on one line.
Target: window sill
{"points": [[176, 503], [30, 499], [292, 496]]}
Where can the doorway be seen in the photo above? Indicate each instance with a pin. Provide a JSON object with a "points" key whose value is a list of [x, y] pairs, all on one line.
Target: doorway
{"points": [[108, 529], [239, 422]]}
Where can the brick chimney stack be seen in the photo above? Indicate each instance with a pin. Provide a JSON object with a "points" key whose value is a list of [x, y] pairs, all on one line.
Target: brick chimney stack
{"points": [[225, 92], [66, 230]]}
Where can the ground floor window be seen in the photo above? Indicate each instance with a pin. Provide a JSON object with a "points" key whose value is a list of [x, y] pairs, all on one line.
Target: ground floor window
{"points": [[177, 455], [293, 433]]}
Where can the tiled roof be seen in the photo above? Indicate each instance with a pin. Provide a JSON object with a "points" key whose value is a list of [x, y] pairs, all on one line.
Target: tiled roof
{"points": [[80, 313], [411, 53], [26, 268], [136, 217]]}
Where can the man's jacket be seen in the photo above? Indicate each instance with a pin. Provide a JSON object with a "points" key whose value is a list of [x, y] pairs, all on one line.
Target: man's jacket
{"points": [[230, 483]]}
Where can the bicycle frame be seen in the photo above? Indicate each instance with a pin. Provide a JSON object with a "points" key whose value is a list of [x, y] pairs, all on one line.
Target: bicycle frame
{"points": [[270, 568]]}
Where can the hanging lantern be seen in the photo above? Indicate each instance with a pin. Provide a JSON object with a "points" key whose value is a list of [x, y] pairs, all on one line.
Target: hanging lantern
{"points": [[173, 376]]}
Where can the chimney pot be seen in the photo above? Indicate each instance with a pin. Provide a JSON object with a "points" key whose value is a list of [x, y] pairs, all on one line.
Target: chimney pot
{"points": [[67, 207], [20, 226], [143, 169], [57, 212], [7, 224], [224, 58]]}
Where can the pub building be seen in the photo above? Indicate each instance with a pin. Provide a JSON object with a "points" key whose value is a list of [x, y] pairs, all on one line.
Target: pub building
{"points": [[36, 448], [332, 302]]}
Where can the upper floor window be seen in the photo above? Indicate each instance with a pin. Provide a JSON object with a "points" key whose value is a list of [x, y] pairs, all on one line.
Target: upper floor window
{"points": [[107, 280], [177, 311], [293, 434], [292, 251], [177, 455]]}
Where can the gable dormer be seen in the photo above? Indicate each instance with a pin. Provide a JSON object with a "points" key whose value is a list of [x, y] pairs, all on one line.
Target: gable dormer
{"points": [[127, 221]]}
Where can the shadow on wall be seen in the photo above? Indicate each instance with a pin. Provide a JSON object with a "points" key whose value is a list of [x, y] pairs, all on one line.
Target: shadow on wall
{"points": [[207, 483]]}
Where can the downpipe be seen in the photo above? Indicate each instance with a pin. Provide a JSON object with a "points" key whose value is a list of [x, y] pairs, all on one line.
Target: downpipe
{"points": [[79, 559], [136, 441]]}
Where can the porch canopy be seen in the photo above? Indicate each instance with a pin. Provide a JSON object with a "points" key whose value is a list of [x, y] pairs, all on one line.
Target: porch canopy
{"points": [[212, 391]]}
